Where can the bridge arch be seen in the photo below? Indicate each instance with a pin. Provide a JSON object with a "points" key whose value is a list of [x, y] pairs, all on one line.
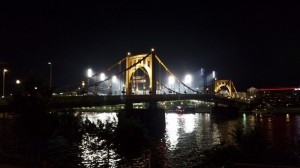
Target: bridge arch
{"points": [[144, 62], [228, 84], [139, 80]]}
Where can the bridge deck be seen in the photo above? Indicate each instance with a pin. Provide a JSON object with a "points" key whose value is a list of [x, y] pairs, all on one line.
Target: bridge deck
{"points": [[84, 101]]}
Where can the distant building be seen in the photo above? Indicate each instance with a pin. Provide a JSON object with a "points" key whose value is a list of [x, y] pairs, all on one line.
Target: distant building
{"points": [[251, 92], [277, 96], [241, 94]]}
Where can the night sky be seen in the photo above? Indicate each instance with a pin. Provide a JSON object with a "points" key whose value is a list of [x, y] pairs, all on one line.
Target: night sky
{"points": [[253, 43]]}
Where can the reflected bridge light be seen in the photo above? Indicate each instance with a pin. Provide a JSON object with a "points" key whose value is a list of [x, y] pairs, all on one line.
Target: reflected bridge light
{"points": [[102, 76], [89, 73]]}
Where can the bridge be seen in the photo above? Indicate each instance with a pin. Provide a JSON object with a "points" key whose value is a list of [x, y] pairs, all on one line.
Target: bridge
{"points": [[139, 79], [93, 100]]}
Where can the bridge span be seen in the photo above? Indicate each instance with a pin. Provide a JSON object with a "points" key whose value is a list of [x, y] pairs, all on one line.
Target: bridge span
{"points": [[93, 100]]}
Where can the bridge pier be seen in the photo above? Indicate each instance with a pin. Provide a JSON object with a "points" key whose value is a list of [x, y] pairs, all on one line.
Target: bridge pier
{"points": [[152, 119], [128, 106], [224, 110], [152, 105]]}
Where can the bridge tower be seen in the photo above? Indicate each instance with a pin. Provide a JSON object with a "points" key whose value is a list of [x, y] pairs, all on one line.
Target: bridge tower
{"points": [[145, 63], [219, 85]]}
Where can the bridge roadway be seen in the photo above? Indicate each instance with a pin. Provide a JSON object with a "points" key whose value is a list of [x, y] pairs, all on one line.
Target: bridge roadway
{"points": [[91, 100]]}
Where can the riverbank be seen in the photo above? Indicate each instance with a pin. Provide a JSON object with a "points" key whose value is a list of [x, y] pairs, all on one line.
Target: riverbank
{"points": [[278, 110]]}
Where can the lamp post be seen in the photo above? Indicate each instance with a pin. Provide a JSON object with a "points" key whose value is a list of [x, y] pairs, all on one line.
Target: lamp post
{"points": [[102, 78], [50, 75], [4, 70], [188, 80], [89, 75], [171, 81]]}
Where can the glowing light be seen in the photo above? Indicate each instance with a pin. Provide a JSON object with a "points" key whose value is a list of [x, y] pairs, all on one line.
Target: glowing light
{"points": [[287, 117], [214, 74], [188, 79], [172, 129], [102, 76], [128, 53], [18, 81], [114, 79], [171, 80], [189, 123], [279, 89], [152, 49], [89, 72]]}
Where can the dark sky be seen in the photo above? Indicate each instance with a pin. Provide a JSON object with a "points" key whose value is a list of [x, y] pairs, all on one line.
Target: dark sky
{"points": [[253, 43]]}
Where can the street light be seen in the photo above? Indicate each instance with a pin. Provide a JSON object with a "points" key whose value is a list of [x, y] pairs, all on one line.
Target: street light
{"points": [[89, 73], [171, 81], [18, 81], [102, 77], [114, 79], [50, 75], [4, 70], [188, 79]]}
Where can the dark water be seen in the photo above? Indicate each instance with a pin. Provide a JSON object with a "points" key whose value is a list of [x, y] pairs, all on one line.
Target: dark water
{"points": [[186, 135]]}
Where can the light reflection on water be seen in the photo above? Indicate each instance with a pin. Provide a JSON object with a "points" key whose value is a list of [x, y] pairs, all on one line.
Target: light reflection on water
{"points": [[101, 156], [103, 117], [186, 135], [171, 130]]}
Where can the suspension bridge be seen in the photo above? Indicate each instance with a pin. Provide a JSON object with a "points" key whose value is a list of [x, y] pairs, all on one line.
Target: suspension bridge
{"points": [[139, 78]]}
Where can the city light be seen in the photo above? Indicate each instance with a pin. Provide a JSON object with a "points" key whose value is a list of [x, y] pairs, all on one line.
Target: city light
{"points": [[171, 80], [89, 72], [18, 81], [102, 77], [188, 79], [50, 75], [114, 79], [4, 70]]}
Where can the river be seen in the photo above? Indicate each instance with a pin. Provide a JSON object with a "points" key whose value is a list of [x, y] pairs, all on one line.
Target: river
{"points": [[187, 135]]}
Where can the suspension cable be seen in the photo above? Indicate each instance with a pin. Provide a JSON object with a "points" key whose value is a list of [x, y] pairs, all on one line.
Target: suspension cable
{"points": [[110, 67], [133, 65], [167, 69], [170, 89]]}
